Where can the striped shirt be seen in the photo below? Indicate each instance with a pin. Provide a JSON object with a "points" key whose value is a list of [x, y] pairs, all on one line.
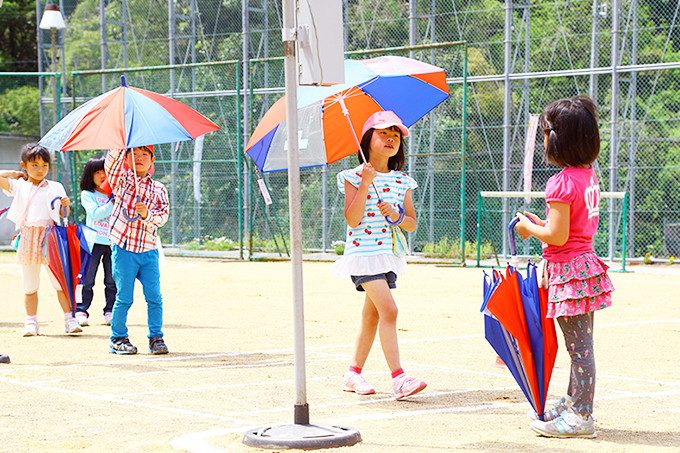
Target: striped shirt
{"points": [[373, 235], [140, 235]]}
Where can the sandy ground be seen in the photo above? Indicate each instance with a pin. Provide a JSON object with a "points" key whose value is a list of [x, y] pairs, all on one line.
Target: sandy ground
{"points": [[229, 327]]}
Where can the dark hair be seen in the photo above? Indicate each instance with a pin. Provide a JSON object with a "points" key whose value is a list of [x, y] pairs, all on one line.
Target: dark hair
{"points": [[395, 162], [33, 151], [94, 164], [572, 131]]}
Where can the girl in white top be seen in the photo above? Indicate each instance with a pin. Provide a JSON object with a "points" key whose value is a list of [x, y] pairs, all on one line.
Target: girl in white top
{"points": [[369, 259], [32, 213]]}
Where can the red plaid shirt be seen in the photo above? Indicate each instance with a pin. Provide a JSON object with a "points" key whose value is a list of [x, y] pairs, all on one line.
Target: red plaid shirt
{"points": [[138, 236]]}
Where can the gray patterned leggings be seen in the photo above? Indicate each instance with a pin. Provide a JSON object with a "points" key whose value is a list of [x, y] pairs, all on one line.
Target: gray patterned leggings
{"points": [[578, 338]]}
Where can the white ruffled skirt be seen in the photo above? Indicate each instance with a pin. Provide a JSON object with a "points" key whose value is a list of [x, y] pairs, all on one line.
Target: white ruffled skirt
{"points": [[346, 266]]}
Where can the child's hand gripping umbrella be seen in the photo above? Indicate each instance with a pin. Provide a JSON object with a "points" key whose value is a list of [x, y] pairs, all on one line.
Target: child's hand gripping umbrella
{"points": [[407, 87]]}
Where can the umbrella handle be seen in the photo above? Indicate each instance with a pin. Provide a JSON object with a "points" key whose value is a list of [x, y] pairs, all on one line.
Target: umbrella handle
{"points": [[401, 215], [512, 243], [125, 214], [63, 209]]}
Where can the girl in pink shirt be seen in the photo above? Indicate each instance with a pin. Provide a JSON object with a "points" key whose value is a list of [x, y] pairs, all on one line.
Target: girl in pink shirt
{"points": [[578, 283]]}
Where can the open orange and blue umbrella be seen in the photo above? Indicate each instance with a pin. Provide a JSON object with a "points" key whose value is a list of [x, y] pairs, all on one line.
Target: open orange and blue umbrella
{"points": [[329, 116], [516, 326], [68, 251], [126, 117]]}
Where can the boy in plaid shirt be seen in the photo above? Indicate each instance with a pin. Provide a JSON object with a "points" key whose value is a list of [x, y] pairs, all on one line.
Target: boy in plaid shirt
{"points": [[140, 208]]}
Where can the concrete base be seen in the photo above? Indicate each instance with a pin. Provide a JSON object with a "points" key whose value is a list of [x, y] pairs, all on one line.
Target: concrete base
{"points": [[305, 437]]}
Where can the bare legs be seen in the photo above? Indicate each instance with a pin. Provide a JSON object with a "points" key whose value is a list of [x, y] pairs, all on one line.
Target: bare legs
{"points": [[378, 315], [31, 303]]}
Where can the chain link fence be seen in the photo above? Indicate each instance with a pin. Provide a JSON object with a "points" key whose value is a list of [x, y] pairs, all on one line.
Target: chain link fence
{"points": [[623, 53]]}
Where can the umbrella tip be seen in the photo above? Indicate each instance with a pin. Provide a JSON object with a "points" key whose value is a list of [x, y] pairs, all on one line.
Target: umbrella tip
{"points": [[122, 81]]}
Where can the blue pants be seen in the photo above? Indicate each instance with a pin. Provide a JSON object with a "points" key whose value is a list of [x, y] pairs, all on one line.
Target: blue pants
{"points": [[128, 266], [100, 253]]}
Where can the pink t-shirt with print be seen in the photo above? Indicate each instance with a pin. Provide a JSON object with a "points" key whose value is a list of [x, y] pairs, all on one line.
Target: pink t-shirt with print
{"points": [[578, 187]]}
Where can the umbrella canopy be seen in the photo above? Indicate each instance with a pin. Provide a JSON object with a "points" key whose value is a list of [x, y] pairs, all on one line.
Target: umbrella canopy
{"points": [[329, 116], [68, 251], [517, 328], [126, 117], [123, 118]]}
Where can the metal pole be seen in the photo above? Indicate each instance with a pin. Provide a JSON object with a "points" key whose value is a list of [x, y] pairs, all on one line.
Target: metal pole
{"points": [[412, 38], [507, 117], [103, 37], [463, 169], [594, 39], [295, 211], [245, 24], [53, 32], [173, 149], [613, 143], [632, 145]]}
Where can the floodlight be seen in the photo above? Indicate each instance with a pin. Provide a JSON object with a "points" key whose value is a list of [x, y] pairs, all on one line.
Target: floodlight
{"points": [[52, 18]]}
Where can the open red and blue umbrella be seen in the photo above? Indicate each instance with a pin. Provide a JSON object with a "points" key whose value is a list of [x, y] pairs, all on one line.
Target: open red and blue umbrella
{"points": [[328, 116], [516, 326], [68, 251], [126, 117]]}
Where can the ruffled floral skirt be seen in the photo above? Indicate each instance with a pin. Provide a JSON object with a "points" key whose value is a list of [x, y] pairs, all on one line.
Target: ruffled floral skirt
{"points": [[578, 286]]}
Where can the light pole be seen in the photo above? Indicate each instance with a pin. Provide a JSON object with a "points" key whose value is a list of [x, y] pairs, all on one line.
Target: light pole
{"points": [[52, 20]]}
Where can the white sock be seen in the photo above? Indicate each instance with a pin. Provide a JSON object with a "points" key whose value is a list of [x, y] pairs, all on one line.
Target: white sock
{"points": [[33, 318], [68, 315]]}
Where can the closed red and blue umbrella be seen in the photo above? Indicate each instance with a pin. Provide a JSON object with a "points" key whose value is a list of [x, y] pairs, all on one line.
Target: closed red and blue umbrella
{"points": [[68, 251], [516, 326]]}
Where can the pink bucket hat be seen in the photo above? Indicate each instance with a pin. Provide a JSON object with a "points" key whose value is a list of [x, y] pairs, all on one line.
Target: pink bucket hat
{"points": [[383, 120]]}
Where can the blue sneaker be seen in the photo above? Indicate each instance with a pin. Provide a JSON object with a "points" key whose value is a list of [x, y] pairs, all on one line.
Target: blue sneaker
{"points": [[122, 346]]}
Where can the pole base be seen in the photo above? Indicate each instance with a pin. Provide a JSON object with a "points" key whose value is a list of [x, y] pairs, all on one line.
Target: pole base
{"points": [[304, 437]]}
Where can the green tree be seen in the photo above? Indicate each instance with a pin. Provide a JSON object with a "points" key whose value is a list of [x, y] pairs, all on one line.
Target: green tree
{"points": [[17, 111], [18, 36]]}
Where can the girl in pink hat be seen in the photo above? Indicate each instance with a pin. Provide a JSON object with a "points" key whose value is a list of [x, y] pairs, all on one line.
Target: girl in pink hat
{"points": [[374, 192]]}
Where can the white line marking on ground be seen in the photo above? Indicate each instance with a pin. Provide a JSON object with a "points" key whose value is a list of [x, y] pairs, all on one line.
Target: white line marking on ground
{"points": [[195, 442], [116, 399], [626, 378]]}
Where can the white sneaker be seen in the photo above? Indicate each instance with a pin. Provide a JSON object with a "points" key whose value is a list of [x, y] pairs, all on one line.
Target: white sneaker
{"points": [[354, 382], [405, 385], [72, 326], [81, 317], [107, 318], [30, 329], [569, 424]]}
